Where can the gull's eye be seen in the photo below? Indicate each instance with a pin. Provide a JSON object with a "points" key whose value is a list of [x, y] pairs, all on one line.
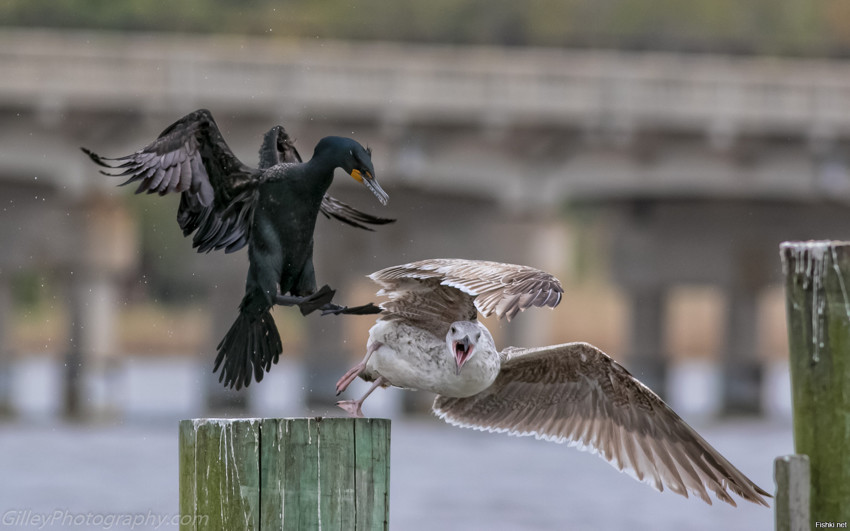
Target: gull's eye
{"points": [[477, 336], [453, 330]]}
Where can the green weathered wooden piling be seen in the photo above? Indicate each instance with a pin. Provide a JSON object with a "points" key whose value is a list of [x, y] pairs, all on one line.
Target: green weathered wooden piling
{"points": [[793, 489], [818, 310], [307, 473]]}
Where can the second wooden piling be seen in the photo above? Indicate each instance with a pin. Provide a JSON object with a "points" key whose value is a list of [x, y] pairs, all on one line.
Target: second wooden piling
{"points": [[818, 311]]}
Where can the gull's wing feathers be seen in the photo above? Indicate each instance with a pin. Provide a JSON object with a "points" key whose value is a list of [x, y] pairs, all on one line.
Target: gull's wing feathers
{"points": [[425, 303], [447, 288], [279, 148], [191, 157], [575, 393]]}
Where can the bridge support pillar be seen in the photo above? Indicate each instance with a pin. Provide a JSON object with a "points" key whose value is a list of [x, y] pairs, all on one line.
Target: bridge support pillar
{"points": [[103, 248], [646, 355], [742, 371], [6, 407]]}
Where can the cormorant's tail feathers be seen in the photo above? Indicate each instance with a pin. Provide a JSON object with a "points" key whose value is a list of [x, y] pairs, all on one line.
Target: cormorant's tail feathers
{"points": [[248, 350]]}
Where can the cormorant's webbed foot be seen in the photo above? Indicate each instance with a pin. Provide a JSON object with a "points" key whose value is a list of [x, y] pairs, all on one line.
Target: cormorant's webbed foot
{"points": [[318, 300], [336, 309]]}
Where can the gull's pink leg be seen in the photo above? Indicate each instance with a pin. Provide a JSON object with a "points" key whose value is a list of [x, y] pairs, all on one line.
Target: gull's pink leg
{"points": [[352, 407], [355, 371]]}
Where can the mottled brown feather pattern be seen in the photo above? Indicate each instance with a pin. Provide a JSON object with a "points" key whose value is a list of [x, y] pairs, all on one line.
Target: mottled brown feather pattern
{"points": [[435, 293], [428, 305], [575, 393]]}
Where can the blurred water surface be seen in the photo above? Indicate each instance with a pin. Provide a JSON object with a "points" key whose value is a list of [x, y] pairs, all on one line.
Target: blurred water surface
{"points": [[442, 478]]}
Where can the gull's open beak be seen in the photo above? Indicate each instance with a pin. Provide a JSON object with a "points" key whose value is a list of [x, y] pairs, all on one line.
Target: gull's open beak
{"points": [[369, 181], [463, 350]]}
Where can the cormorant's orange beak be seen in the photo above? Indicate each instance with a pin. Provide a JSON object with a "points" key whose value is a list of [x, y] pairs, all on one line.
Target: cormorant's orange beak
{"points": [[369, 181]]}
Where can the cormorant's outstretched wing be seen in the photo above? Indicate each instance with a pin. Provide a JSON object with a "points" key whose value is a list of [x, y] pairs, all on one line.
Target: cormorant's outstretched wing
{"points": [[191, 157], [575, 393], [434, 293], [336, 209], [278, 147]]}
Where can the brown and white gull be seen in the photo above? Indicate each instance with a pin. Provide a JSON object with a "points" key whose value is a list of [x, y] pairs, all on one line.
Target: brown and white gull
{"points": [[429, 338]]}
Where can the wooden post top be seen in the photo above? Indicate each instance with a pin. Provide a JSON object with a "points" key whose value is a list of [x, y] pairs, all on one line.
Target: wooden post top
{"points": [[805, 257], [226, 420]]}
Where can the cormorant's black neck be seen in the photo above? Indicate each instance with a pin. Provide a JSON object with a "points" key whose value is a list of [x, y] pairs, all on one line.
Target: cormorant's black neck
{"points": [[321, 165], [327, 157], [316, 177]]}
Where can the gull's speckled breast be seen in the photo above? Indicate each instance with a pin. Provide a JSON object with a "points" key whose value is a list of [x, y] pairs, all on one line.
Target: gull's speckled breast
{"points": [[414, 358]]}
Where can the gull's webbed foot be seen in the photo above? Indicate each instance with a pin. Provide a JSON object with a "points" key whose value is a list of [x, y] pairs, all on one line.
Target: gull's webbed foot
{"points": [[352, 407], [355, 371], [349, 377]]}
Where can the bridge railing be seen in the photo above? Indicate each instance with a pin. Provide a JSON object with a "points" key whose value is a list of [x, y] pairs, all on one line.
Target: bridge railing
{"points": [[398, 81]]}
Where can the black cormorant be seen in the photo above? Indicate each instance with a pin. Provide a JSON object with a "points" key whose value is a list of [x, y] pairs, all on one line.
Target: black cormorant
{"points": [[272, 209]]}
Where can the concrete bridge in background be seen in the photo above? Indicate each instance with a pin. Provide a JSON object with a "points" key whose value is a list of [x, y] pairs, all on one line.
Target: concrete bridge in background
{"points": [[697, 166]]}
